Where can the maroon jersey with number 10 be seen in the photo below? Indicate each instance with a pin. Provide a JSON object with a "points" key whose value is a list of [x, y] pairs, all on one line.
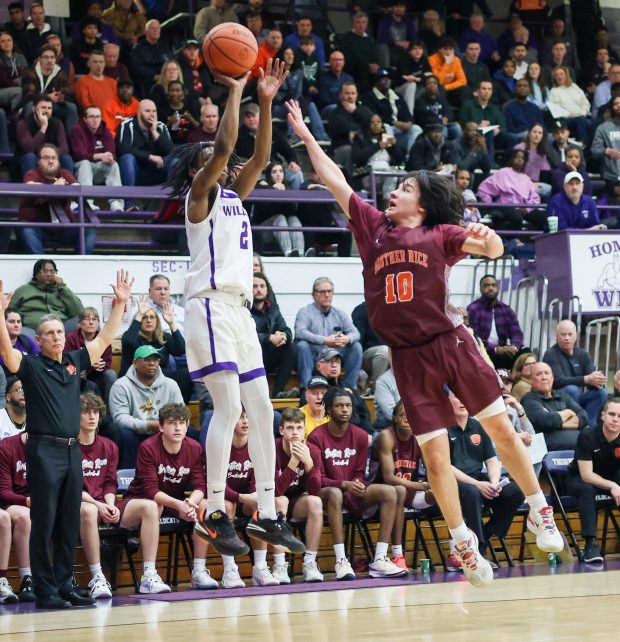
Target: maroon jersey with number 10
{"points": [[406, 272]]}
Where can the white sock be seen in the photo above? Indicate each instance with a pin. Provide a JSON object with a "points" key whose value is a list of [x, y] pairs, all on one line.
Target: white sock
{"points": [[200, 564], [309, 556], [229, 561], [451, 546], [397, 549], [215, 498], [536, 501], [260, 559], [265, 496], [460, 533], [279, 558], [381, 550], [26, 570], [95, 569], [149, 568], [339, 552]]}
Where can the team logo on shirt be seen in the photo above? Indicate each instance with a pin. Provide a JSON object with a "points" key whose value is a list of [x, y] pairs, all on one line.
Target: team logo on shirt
{"points": [[337, 456], [92, 468], [475, 439], [239, 469], [20, 466], [617, 453], [171, 475], [71, 369]]}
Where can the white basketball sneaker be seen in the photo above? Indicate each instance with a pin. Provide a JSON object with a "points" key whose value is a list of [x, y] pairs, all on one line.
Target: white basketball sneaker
{"points": [[542, 524], [476, 568]]}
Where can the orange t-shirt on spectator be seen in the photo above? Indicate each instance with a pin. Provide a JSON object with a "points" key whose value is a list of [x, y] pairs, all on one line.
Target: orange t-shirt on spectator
{"points": [[262, 57], [441, 70], [91, 91], [116, 111]]}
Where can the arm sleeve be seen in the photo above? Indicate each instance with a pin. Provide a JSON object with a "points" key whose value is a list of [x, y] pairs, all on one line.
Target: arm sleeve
{"points": [[146, 469], [110, 484], [284, 480], [348, 327], [313, 478], [175, 343], [326, 482]]}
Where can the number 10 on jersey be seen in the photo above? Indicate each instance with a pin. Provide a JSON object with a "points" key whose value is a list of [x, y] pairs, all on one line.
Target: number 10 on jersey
{"points": [[399, 287]]}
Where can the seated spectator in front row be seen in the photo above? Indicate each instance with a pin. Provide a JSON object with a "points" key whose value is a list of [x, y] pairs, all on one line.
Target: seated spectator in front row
{"points": [[99, 504], [596, 468], [344, 449], [574, 209], [573, 371], [135, 400], [95, 154], [45, 293], [19, 340], [39, 208], [121, 107], [168, 466], [552, 412]]}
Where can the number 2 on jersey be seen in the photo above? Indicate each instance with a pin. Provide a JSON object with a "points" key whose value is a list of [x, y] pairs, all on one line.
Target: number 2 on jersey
{"points": [[243, 239], [399, 287]]}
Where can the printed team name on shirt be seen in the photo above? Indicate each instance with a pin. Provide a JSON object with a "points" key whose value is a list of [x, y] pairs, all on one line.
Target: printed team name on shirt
{"points": [[234, 210], [20, 467], [171, 474], [92, 468], [406, 464], [239, 469], [337, 456], [400, 256], [299, 473]]}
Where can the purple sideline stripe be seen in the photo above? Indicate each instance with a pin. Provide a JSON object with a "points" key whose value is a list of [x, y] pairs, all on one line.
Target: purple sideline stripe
{"points": [[196, 375], [210, 328], [252, 374], [212, 255]]}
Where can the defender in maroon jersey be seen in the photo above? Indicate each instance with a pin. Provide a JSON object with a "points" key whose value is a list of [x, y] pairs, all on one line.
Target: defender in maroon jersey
{"points": [[100, 506], [407, 253]]}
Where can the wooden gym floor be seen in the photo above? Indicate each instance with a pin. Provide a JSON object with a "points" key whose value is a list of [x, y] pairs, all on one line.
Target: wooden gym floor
{"points": [[535, 603]]}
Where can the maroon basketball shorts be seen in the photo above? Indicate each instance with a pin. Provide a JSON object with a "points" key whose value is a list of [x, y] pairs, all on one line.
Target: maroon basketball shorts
{"points": [[451, 358], [121, 504]]}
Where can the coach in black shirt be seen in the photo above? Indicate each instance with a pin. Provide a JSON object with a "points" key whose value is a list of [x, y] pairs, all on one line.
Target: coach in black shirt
{"points": [[51, 382], [596, 468]]}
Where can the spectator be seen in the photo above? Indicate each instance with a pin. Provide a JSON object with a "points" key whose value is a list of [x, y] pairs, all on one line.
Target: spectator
{"points": [[537, 161], [136, 399], [596, 468], [113, 67], [478, 474], [386, 399], [142, 144], [46, 293], [275, 337], [16, 25], [431, 31], [520, 113], [601, 39], [539, 92], [606, 145], [595, 73], [128, 24], [253, 20], [470, 151], [477, 33], [342, 482], [269, 49], [95, 155], [430, 151], [412, 70], [62, 61], [194, 73], [123, 106], [496, 324], [36, 31], [100, 373], [307, 61], [522, 375], [556, 150], [95, 88], [313, 408], [38, 209], [147, 57], [449, 71], [473, 68], [303, 29], [396, 30], [12, 65], [170, 70], [573, 163], [511, 185], [570, 97], [218, 12], [558, 33], [559, 55], [256, 6], [331, 82], [574, 209], [180, 112], [168, 466], [361, 54], [462, 182], [602, 94], [320, 325], [82, 47], [432, 108], [13, 413], [376, 358], [19, 340], [209, 122], [573, 372], [552, 412], [504, 82], [516, 413], [159, 299], [107, 34], [508, 37], [519, 55]]}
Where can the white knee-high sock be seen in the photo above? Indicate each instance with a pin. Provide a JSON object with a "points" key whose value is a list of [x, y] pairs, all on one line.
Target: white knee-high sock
{"points": [[224, 390], [261, 445]]}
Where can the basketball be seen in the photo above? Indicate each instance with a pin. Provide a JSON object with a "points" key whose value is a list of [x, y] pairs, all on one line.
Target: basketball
{"points": [[230, 49]]}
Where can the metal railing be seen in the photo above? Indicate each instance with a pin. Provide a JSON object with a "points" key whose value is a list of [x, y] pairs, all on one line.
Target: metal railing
{"points": [[604, 352]]}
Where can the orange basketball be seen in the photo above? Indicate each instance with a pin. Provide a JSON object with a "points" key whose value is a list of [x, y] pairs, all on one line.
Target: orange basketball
{"points": [[230, 49]]}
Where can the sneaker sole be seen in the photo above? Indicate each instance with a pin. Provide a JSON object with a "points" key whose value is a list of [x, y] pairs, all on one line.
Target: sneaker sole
{"points": [[103, 596], [204, 587], [10, 599], [317, 581], [346, 578], [234, 586], [154, 592], [292, 547], [379, 574], [233, 549], [593, 560], [255, 583]]}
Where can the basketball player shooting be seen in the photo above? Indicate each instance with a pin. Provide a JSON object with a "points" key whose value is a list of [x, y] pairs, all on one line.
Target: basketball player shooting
{"points": [[407, 253], [222, 344]]}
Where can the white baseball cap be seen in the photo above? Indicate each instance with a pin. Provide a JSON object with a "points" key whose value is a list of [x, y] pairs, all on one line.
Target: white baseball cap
{"points": [[569, 177]]}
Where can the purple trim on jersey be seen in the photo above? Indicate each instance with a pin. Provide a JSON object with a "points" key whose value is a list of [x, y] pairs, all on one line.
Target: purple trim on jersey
{"points": [[196, 375], [212, 256], [252, 374], [210, 328]]}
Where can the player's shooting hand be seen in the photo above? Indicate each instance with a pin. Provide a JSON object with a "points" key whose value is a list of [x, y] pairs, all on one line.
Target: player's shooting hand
{"points": [[231, 83], [480, 231], [271, 79], [5, 299], [122, 289], [296, 120]]}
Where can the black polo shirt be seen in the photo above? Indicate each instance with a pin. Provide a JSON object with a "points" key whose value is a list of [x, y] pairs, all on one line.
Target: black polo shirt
{"points": [[470, 448], [52, 392], [604, 455]]}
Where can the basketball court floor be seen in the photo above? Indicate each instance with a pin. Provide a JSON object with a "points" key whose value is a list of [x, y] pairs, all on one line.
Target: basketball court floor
{"points": [[533, 603]]}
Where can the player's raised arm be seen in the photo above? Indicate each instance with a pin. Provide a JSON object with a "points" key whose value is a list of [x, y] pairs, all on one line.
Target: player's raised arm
{"points": [[483, 240], [322, 163], [269, 83]]}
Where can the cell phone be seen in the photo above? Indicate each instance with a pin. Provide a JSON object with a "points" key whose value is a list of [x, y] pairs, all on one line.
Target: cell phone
{"points": [[337, 329], [385, 138], [503, 482]]}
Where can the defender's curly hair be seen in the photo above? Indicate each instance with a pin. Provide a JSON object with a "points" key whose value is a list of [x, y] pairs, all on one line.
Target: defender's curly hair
{"points": [[439, 197]]}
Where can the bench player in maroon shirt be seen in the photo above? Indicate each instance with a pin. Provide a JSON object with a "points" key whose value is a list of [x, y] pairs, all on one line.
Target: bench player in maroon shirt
{"points": [[298, 477], [100, 506], [407, 253]]}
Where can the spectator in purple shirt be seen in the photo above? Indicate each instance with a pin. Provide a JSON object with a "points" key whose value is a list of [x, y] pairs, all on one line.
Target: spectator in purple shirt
{"points": [[496, 324], [476, 33], [19, 341]]}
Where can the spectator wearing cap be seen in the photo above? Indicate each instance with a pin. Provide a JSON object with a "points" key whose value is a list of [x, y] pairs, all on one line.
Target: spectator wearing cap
{"points": [[313, 408], [606, 145], [135, 401], [319, 325], [218, 12], [446, 65], [82, 47], [430, 151], [195, 75], [95, 88], [329, 365], [121, 107], [113, 67], [574, 209], [556, 149], [392, 108]]}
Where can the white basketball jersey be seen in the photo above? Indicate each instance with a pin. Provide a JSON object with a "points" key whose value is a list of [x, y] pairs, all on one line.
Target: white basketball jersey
{"points": [[221, 250]]}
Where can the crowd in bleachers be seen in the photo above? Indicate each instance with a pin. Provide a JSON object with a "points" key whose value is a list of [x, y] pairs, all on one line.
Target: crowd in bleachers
{"points": [[400, 90]]}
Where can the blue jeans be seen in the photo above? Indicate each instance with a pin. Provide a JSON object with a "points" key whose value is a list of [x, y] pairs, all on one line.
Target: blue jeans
{"points": [[33, 239], [592, 401], [29, 161], [308, 352], [134, 173]]}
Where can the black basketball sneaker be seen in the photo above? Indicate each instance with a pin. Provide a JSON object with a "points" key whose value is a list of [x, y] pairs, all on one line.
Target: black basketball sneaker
{"points": [[220, 531], [275, 532]]}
